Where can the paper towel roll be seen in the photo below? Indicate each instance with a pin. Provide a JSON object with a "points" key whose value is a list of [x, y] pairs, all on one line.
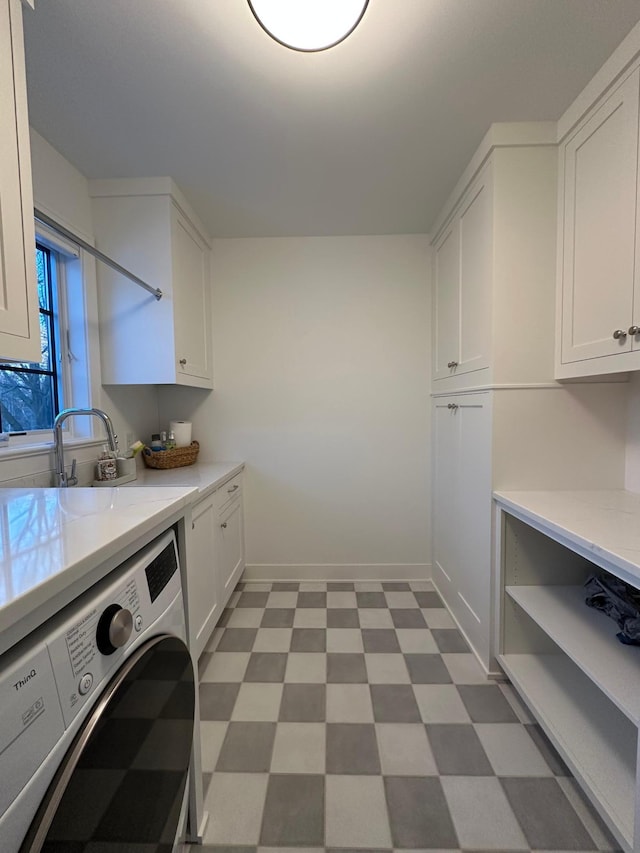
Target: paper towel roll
{"points": [[182, 432]]}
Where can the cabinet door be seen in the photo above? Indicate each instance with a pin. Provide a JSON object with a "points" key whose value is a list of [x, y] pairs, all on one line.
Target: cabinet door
{"points": [[19, 322], [446, 304], [446, 440], [202, 592], [230, 549], [192, 300], [599, 228]]}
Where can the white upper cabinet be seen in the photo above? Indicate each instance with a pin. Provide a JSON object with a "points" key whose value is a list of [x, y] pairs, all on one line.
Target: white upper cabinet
{"points": [[599, 298], [19, 321], [148, 227]]}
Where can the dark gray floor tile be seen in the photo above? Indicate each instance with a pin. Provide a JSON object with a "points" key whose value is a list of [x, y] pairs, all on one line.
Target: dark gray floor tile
{"points": [[237, 640], [394, 703], [303, 703], [253, 599], [547, 818], [247, 748], [276, 617], [418, 813], [224, 619], [380, 640], [240, 586], [371, 599], [312, 599], [346, 668], [450, 640], [340, 587], [294, 811], [309, 640], [396, 586], [342, 617], [458, 751], [285, 586], [203, 663], [485, 703], [549, 752], [217, 701], [428, 599], [224, 848], [427, 669], [352, 748], [266, 666], [407, 618]]}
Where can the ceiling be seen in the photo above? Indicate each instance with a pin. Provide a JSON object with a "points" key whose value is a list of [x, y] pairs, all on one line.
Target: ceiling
{"points": [[368, 137]]}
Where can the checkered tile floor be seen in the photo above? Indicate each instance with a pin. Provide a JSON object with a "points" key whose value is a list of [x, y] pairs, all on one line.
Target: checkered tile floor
{"points": [[353, 716]]}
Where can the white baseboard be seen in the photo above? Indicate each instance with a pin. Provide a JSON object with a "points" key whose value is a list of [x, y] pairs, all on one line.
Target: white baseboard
{"points": [[337, 572]]}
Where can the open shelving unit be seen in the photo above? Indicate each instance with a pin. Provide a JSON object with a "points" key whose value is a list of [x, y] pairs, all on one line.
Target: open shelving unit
{"points": [[563, 657]]}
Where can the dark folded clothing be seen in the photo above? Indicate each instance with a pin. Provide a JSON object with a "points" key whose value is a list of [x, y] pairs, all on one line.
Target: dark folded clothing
{"points": [[619, 601]]}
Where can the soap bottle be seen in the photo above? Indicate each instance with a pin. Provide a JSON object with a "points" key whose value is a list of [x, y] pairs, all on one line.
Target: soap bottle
{"points": [[107, 468], [171, 441], [156, 443]]}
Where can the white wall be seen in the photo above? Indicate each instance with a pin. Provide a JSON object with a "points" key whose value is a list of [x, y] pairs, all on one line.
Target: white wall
{"points": [[61, 191], [321, 375]]}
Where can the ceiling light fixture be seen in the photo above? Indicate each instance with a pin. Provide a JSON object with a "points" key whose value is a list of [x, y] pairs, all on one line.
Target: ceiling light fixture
{"points": [[308, 25]]}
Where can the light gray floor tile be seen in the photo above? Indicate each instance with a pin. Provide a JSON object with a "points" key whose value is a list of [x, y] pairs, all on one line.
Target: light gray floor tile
{"points": [[394, 703], [217, 701], [247, 748], [407, 618], [283, 600], [306, 668], [551, 756], [356, 814], [294, 811], [386, 669], [342, 617], [404, 750], [257, 586], [400, 600], [258, 702], [464, 669], [511, 751], [450, 641], [266, 666], [211, 738], [277, 617], [313, 586], [438, 617], [309, 640], [344, 640], [457, 750], [417, 641], [303, 703], [310, 618], [312, 599], [235, 802], [272, 640], [237, 640], [421, 586], [418, 813], [245, 617], [427, 669], [226, 666], [345, 668], [203, 663], [481, 814], [352, 749], [374, 618], [380, 640], [349, 703], [486, 704], [252, 599], [299, 748], [547, 818], [440, 703], [342, 599]]}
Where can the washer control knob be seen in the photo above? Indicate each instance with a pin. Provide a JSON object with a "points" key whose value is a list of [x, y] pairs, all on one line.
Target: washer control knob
{"points": [[114, 628], [86, 683], [137, 622]]}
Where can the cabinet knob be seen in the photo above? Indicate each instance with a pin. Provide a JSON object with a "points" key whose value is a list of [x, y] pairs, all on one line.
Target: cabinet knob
{"points": [[224, 524], [183, 361], [452, 406], [619, 335], [634, 330], [452, 364]]}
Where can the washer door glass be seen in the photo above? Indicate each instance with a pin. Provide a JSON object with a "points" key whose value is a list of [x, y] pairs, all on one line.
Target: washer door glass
{"points": [[122, 782]]}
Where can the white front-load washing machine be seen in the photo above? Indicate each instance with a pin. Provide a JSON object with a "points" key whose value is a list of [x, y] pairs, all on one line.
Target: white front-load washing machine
{"points": [[97, 718]]}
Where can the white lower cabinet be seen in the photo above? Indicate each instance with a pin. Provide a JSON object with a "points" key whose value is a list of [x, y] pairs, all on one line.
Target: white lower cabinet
{"points": [[230, 548], [462, 513]]}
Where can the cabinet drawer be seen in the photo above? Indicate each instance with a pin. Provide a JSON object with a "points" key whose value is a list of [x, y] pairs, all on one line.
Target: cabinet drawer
{"points": [[232, 490]]}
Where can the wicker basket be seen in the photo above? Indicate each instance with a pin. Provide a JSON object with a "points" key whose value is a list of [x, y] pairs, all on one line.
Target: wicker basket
{"points": [[176, 458]]}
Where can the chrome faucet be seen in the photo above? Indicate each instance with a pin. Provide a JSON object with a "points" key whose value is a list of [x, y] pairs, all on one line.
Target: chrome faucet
{"points": [[61, 474]]}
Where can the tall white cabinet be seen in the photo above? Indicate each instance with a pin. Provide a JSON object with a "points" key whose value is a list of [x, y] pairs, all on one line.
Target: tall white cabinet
{"points": [[19, 321]]}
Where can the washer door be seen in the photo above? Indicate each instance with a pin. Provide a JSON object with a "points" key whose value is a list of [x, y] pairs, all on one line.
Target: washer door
{"points": [[122, 781]]}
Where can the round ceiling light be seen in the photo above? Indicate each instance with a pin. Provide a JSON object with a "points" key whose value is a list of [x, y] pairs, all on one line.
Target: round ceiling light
{"points": [[308, 25]]}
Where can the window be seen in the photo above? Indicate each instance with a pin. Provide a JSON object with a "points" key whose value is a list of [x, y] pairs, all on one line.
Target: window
{"points": [[31, 395]]}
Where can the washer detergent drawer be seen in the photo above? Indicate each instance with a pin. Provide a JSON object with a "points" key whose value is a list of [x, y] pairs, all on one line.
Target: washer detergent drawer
{"points": [[31, 722]]}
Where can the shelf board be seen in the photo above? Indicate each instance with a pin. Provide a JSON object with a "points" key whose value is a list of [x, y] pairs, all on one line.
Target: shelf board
{"points": [[588, 637], [597, 742]]}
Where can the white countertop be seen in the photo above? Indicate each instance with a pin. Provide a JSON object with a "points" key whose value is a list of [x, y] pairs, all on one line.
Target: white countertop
{"points": [[204, 476], [603, 526], [55, 543]]}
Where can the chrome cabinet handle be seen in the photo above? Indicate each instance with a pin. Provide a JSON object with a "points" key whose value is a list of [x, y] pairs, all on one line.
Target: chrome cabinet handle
{"points": [[634, 330], [453, 406], [452, 364], [232, 489], [224, 524], [619, 335], [183, 361]]}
